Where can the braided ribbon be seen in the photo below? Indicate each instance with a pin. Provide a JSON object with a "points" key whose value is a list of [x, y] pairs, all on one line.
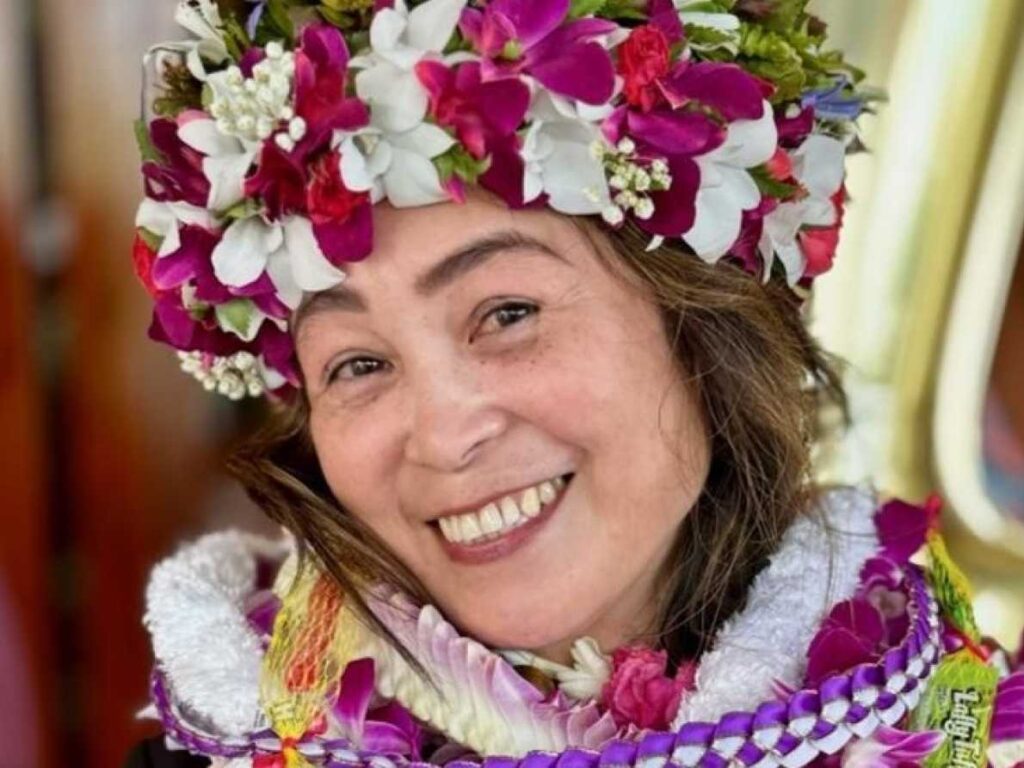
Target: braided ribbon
{"points": [[789, 732]]}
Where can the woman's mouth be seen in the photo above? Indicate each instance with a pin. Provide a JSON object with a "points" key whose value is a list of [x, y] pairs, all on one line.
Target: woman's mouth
{"points": [[502, 525]]}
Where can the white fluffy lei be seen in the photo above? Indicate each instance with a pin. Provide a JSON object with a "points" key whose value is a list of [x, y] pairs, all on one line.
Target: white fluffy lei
{"points": [[211, 657]]}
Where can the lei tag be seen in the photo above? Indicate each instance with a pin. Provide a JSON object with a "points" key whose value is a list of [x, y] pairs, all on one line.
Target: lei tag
{"points": [[960, 695], [958, 703]]}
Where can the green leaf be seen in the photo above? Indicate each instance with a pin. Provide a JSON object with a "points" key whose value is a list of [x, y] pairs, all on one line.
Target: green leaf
{"points": [[458, 162], [629, 10], [152, 240], [276, 23], [770, 186], [149, 153], [244, 209], [239, 317], [236, 38], [580, 8]]}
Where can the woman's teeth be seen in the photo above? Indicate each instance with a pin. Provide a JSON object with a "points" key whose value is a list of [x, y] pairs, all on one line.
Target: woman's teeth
{"points": [[498, 518]]}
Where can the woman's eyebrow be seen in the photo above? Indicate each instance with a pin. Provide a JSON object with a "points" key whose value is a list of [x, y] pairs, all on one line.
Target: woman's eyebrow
{"points": [[453, 266], [475, 254]]}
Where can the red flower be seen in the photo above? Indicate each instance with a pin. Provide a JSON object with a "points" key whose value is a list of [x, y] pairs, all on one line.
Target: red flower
{"points": [[643, 60], [328, 200], [639, 691], [144, 258]]}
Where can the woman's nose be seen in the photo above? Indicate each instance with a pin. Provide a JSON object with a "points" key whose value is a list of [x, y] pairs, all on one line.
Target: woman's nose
{"points": [[453, 421]]}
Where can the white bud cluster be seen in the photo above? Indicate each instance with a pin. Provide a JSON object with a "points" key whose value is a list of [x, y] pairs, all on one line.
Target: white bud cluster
{"points": [[631, 179], [259, 107], [235, 376]]}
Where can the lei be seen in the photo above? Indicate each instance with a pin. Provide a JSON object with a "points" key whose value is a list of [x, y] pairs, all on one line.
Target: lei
{"points": [[896, 674]]}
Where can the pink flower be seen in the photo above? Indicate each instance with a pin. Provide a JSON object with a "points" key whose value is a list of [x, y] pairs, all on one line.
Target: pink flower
{"points": [[640, 693]]}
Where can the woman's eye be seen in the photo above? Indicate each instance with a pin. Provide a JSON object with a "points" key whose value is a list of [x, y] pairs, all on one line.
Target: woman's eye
{"points": [[505, 315], [355, 368]]}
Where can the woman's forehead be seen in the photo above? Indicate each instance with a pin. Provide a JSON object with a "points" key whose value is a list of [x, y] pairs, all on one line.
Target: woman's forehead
{"points": [[409, 242]]}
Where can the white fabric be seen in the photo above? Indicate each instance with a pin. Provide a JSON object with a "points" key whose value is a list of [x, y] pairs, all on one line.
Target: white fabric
{"points": [[201, 638], [817, 565]]}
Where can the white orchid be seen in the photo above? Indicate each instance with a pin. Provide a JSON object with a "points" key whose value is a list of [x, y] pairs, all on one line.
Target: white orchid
{"points": [[399, 39], [226, 162], [164, 220], [286, 249], [396, 166], [726, 187], [202, 18], [819, 166], [559, 157]]}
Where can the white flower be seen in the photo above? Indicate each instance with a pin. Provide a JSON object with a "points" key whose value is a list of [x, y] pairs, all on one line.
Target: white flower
{"points": [[818, 164], [399, 39], [226, 160], [286, 249], [726, 188], [202, 18], [560, 160], [165, 219], [396, 166]]}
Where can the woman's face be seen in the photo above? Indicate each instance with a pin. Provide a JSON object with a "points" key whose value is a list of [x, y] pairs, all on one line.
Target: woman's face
{"points": [[507, 416]]}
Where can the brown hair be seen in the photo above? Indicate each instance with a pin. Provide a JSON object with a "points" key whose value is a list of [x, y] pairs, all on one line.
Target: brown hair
{"points": [[761, 378]]}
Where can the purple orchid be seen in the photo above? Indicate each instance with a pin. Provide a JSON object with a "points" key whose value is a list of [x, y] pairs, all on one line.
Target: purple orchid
{"points": [[388, 729], [534, 37], [321, 65], [1008, 718], [903, 527], [676, 137], [179, 177], [853, 633], [892, 748], [191, 263], [481, 113]]}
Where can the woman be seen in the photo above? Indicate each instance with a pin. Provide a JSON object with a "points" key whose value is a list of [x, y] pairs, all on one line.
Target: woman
{"points": [[545, 471]]}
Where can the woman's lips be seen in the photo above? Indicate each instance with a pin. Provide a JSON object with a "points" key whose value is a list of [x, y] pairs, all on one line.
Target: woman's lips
{"points": [[507, 543]]}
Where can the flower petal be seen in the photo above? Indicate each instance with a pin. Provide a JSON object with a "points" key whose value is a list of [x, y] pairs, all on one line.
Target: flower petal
{"points": [[582, 71], [425, 139], [431, 24], [310, 267], [412, 180], [397, 99], [819, 164], [749, 142], [719, 211], [226, 175], [241, 255], [203, 135], [387, 29]]}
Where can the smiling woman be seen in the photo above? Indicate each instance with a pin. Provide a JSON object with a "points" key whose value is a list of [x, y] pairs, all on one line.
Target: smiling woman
{"points": [[546, 479], [482, 353]]}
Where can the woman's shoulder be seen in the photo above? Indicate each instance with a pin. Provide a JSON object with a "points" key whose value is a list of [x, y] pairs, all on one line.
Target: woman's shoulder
{"points": [[153, 753]]}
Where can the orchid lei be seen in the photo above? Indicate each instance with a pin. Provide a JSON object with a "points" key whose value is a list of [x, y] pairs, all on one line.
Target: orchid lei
{"points": [[269, 136], [864, 700]]}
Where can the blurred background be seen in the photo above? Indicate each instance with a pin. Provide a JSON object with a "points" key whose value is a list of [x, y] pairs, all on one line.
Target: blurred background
{"points": [[109, 455]]}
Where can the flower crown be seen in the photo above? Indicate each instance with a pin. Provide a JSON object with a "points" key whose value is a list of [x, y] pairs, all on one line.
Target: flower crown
{"points": [[267, 139]]}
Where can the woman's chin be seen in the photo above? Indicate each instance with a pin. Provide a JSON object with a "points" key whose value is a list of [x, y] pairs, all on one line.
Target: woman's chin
{"points": [[513, 624]]}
